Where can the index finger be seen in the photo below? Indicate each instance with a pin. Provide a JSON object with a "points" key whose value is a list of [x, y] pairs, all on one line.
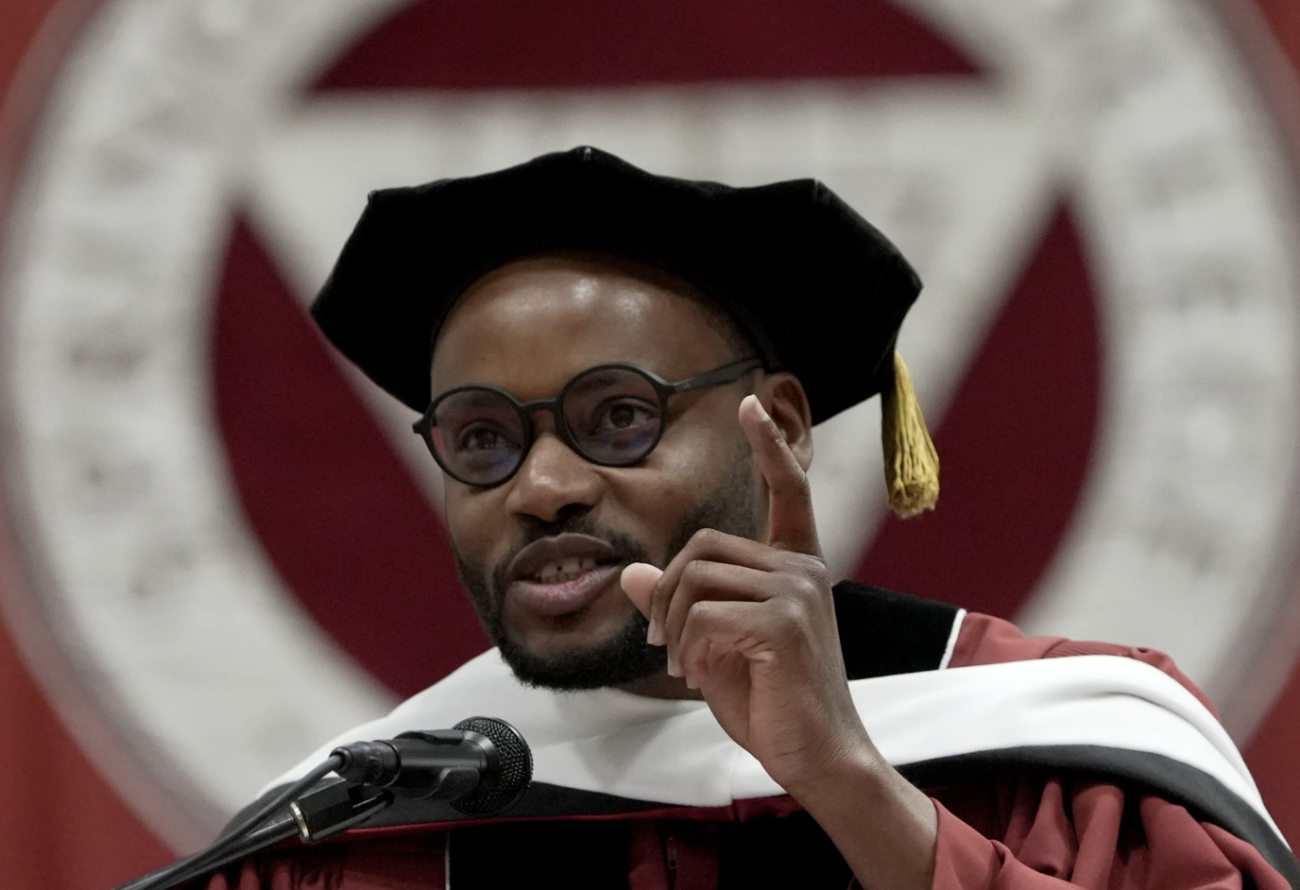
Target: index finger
{"points": [[790, 522]]}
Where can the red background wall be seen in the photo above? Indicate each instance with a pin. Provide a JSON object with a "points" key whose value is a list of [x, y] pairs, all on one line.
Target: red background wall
{"points": [[63, 827]]}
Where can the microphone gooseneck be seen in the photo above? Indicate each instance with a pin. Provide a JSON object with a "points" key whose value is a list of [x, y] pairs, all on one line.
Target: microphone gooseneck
{"points": [[480, 767]]}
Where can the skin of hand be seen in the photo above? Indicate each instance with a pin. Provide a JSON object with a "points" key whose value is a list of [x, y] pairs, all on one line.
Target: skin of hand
{"points": [[751, 625]]}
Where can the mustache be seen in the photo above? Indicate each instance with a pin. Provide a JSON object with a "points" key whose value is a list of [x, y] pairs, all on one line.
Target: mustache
{"points": [[627, 548]]}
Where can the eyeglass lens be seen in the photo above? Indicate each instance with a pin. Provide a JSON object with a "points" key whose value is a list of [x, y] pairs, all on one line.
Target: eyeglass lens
{"points": [[479, 435], [611, 416]]}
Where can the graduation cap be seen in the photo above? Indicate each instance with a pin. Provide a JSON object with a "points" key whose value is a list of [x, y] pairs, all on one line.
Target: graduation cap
{"points": [[819, 290]]}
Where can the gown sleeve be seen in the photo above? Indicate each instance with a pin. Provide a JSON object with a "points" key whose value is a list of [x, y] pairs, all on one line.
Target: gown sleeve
{"points": [[1031, 831], [1096, 836], [984, 639]]}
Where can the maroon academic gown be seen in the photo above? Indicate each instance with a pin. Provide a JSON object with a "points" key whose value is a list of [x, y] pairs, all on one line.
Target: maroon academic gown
{"points": [[999, 829]]}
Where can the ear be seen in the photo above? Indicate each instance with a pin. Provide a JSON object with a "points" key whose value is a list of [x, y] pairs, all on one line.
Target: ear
{"points": [[785, 400]]}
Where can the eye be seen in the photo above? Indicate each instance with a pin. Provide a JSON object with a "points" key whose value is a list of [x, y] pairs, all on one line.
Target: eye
{"points": [[626, 415], [623, 415], [483, 437], [614, 415]]}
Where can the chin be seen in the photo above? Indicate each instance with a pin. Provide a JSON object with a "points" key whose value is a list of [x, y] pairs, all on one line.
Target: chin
{"points": [[618, 660]]}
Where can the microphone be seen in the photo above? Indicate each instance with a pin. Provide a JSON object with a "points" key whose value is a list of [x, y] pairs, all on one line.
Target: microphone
{"points": [[480, 766]]}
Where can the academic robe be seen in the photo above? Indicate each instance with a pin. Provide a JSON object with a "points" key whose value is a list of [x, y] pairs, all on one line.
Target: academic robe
{"points": [[1043, 775]]}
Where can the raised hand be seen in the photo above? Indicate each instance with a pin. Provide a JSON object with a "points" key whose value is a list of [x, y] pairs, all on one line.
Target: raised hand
{"points": [[751, 624]]}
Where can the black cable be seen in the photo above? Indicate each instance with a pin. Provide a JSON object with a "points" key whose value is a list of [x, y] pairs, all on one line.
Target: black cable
{"points": [[284, 798], [204, 860], [261, 838], [482, 765]]}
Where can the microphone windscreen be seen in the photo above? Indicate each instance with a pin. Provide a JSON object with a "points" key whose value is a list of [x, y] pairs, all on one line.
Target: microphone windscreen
{"points": [[514, 770]]}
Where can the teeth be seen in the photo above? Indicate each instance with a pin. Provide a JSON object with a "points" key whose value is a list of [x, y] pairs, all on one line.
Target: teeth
{"points": [[565, 569]]}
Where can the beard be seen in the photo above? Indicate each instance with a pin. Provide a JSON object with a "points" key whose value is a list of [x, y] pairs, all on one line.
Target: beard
{"points": [[625, 656]]}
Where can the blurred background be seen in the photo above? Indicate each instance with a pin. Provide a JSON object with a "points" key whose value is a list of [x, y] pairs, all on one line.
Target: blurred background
{"points": [[219, 546]]}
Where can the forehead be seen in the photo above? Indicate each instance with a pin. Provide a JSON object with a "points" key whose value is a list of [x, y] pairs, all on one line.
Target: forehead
{"points": [[530, 325]]}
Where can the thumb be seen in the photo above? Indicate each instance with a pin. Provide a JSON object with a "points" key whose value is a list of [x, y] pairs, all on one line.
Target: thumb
{"points": [[639, 580]]}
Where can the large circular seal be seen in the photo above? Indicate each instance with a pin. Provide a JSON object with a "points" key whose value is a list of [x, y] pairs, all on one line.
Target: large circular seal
{"points": [[176, 130]]}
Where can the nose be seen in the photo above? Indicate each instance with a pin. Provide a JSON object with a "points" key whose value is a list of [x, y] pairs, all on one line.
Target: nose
{"points": [[552, 480]]}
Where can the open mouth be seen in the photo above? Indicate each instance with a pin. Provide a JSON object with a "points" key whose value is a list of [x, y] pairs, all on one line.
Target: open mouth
{"points": [[564, 570], [559, 575]]}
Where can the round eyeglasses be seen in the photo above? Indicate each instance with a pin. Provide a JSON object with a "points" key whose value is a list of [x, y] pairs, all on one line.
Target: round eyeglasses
{"points": [[612, 415]]}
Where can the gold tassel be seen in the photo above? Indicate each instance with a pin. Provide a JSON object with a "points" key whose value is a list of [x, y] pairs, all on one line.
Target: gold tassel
{"points": [[911, 463]]}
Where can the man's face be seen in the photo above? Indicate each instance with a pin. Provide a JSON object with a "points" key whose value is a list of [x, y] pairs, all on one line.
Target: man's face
{"points": [[541, 553]]}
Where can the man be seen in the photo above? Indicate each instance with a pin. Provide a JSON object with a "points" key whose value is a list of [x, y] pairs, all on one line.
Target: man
{"points": [[619, 375]]}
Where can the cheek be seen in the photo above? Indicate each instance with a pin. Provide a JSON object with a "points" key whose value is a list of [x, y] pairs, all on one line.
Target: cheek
{"points": [[665, 493], [473, 522], [699, 456], [686, 476]]}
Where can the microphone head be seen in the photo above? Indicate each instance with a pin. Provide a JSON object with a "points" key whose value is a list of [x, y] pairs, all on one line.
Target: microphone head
{"points": [[501, 788]]}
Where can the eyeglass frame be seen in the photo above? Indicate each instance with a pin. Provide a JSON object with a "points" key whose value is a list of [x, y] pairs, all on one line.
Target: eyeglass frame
{"points": [[728, 373]]}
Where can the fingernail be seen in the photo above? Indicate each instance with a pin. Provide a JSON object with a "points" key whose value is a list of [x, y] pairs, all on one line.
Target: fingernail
{"points": [[653, 635], [673, 669], [691, 684]]}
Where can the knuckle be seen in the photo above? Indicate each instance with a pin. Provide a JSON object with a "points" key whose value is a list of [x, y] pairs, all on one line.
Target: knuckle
{"points": [[817, 573], [702, 612], [808, 568], [806, 589], [707, 538], [696, 623], [697, 574], [787, 610], [807, 578]]}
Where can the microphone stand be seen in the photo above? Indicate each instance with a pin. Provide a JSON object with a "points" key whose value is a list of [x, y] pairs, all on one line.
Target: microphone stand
{"points": [[326, 810], [482, 764]]}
